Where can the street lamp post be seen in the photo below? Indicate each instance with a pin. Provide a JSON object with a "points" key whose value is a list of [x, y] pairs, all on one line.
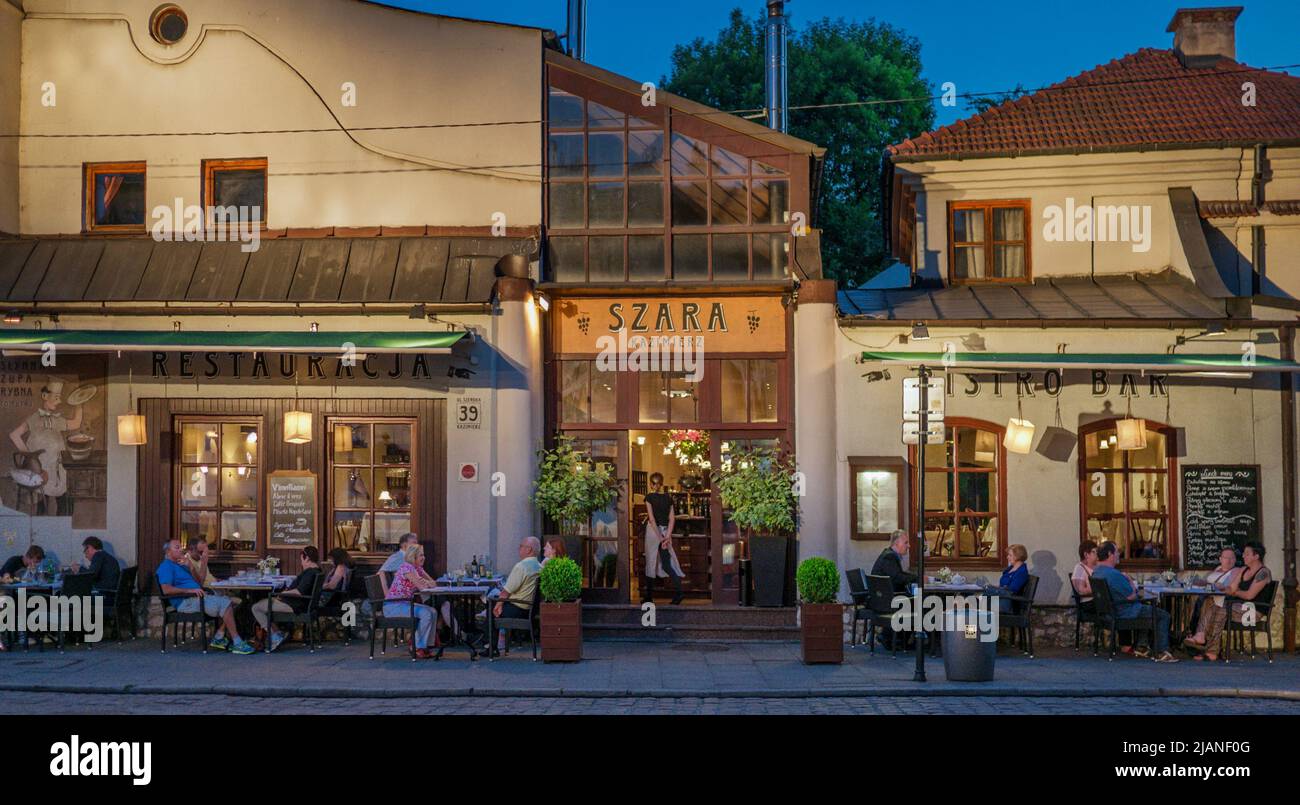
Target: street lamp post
{"points": [[923, 376]]}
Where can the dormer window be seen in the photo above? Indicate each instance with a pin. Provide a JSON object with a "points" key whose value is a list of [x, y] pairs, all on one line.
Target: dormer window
{"points": [[989, 241]]}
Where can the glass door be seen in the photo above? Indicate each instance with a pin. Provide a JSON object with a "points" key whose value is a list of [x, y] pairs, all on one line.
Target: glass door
{"points": [[728, 545], [597, 548]]}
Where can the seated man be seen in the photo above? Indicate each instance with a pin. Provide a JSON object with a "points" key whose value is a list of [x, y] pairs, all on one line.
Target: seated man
{"points": [[187, 595], [890, 563], [1126, 601], [103, 569], [515, 599]]}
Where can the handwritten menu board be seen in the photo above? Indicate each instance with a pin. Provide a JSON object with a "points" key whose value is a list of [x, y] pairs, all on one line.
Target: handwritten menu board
{"points": [[291, 509], [1220, 510]]}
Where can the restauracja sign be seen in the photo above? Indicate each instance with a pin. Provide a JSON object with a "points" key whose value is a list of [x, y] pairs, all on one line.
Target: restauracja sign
{"points": [[290, 366]]}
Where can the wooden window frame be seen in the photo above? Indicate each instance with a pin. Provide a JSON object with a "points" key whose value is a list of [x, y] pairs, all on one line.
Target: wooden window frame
{"points": [[670, 123], [749, 395], [178, 471], [90, 172], [989, 243], [917, 529], [213, 166], [591, 379], [892, 464], [1173, 534], [413, 510]]}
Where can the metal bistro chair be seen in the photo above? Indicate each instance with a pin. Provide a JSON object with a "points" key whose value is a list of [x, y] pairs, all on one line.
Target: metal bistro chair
{"points": [[173, 616], [1082, 616], [381, 622], [333, 604], [1107, 619], [531, 623], [120, 604], [309, 618], [1263, 612], [1020, 618], [880, 593], [75, 586], [860, 601]]}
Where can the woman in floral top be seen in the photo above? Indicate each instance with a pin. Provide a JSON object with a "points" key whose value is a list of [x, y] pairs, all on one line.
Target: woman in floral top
{"points": [[409, 579]]}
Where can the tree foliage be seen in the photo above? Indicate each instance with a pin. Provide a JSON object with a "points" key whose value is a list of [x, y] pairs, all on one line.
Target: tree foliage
{"points": [[830, 62]]}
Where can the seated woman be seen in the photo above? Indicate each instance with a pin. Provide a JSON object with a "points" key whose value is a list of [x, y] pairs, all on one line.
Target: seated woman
{"points": [[334, 590], [1014, 578], [554, 548], [1218, 579], [293, 598], [1081, 576], [409, 578], [1244, 585]]}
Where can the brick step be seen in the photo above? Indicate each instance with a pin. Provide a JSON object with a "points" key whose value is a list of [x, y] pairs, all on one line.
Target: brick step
{"points": [[687, 615], [686, 633]]}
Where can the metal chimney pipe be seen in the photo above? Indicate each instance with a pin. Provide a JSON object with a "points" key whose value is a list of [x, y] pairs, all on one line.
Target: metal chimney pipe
{"points": [[778, 103], [576, 39]]}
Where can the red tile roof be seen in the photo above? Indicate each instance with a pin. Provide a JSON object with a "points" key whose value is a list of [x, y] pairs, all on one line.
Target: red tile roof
{"points": [[1146, 99]]}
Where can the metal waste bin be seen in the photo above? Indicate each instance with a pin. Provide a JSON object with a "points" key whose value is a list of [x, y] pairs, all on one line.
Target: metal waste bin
{"points": [[968, 650]]}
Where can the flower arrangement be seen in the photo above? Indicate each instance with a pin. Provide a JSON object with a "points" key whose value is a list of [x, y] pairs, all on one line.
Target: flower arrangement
{"points": [[690, 447], [269, 566], [945, 575]]}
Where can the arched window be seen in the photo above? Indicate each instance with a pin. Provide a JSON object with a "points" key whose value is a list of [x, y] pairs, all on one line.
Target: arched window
{"points": [[965, 492], [1126, 496]]}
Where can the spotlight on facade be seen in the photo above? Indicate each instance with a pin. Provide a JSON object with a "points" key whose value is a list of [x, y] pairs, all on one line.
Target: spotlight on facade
{"points": [[315, 327], [920, 332], [542, 302], [419, 311], [872, 377], [13, 317]]}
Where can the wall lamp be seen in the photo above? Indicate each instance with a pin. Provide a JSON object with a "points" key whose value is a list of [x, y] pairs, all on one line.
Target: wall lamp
{"points": [[880, 374], [920, 332], [542, 301], [1212, 331]]}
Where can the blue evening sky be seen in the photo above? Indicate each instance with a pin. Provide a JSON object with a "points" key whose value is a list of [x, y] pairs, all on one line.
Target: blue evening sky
{"points": [[1031, 42]]}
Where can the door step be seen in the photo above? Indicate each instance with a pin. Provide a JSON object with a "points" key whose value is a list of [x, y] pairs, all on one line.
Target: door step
{"points": [[688, 622]]}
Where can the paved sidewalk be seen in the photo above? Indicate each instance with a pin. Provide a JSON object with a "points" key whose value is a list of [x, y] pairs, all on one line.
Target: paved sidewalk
{"points": [[621, 669]]}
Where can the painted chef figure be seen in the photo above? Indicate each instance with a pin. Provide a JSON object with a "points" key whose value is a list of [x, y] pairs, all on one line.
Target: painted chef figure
{"points": [[42, 435]]}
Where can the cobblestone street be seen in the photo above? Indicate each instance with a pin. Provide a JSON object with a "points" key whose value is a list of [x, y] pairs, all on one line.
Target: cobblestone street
{"points": [[153, 704]]}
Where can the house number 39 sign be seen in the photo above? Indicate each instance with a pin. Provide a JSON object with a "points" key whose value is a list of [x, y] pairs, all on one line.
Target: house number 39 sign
{"points": [[469, 413]]}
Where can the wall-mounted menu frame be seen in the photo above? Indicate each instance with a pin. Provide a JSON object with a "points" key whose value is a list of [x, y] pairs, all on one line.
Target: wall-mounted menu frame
{"points": [[291, 509], [878, 497]]}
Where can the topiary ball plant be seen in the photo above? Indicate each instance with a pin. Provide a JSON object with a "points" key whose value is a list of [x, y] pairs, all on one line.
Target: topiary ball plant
{"points": [[561, 581], [818, 580]]}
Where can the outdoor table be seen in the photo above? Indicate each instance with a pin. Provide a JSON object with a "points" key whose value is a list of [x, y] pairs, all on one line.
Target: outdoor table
{"points": [[267, 586], [464, 596], [32, 587], [1181, 601]]}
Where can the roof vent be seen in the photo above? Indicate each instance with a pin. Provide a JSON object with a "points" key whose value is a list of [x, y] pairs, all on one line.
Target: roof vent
{"points": [[1203, 36]]}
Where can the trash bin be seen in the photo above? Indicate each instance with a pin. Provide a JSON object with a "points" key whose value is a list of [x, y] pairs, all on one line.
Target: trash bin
{"points": [[968, 650], [746, 584]]}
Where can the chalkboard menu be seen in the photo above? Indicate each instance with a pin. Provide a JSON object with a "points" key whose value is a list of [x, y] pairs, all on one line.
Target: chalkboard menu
{"points": [[1220, 510], [291, 509]]}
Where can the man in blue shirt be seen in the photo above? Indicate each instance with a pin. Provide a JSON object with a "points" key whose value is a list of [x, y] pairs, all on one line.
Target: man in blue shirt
{"points": [[1127, 605], [185, 593]]}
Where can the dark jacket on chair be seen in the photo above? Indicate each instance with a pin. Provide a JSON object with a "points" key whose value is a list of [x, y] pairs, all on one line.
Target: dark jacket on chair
{"points": [[890, 564]]}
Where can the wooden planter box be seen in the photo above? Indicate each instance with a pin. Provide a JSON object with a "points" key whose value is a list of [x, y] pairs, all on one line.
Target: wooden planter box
{"points": [[562, 632], [822, 633]]}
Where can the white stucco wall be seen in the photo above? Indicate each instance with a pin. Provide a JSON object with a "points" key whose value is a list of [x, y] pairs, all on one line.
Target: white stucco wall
{"points": [[248, 66], [1221, 422]]}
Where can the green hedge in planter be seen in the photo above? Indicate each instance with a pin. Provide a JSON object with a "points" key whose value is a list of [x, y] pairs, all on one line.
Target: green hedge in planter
{"points": [[818, 580], [561, 580]]}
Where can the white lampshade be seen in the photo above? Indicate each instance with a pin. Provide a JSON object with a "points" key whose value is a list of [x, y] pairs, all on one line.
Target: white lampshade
{"points": [[986, 445], [1020, 436], [130, 429], [342, 438], [1132, 434], [297, 427]]}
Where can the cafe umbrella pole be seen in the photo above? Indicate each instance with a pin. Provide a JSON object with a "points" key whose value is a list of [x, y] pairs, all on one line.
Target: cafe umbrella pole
{"points": [[923, 376]]}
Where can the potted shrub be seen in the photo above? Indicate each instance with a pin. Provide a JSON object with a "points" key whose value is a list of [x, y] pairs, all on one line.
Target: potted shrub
{"points": [[758, 487], [561, 583], [821, 616], [570, 488]]}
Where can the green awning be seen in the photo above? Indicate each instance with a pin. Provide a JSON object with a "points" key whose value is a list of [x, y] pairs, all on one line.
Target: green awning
{"points": [[1135, 361], [228, 341]]}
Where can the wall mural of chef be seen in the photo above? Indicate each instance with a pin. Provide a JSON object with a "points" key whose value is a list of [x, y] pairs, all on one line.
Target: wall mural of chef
{"points": [[54, 419]]}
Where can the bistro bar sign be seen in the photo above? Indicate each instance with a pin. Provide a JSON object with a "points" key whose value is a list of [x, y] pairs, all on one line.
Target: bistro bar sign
{"points": [[725, 324]]}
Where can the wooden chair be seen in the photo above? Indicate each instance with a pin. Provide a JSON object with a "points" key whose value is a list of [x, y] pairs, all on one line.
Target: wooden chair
{"points": [[379, 622], [333, 604]]}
